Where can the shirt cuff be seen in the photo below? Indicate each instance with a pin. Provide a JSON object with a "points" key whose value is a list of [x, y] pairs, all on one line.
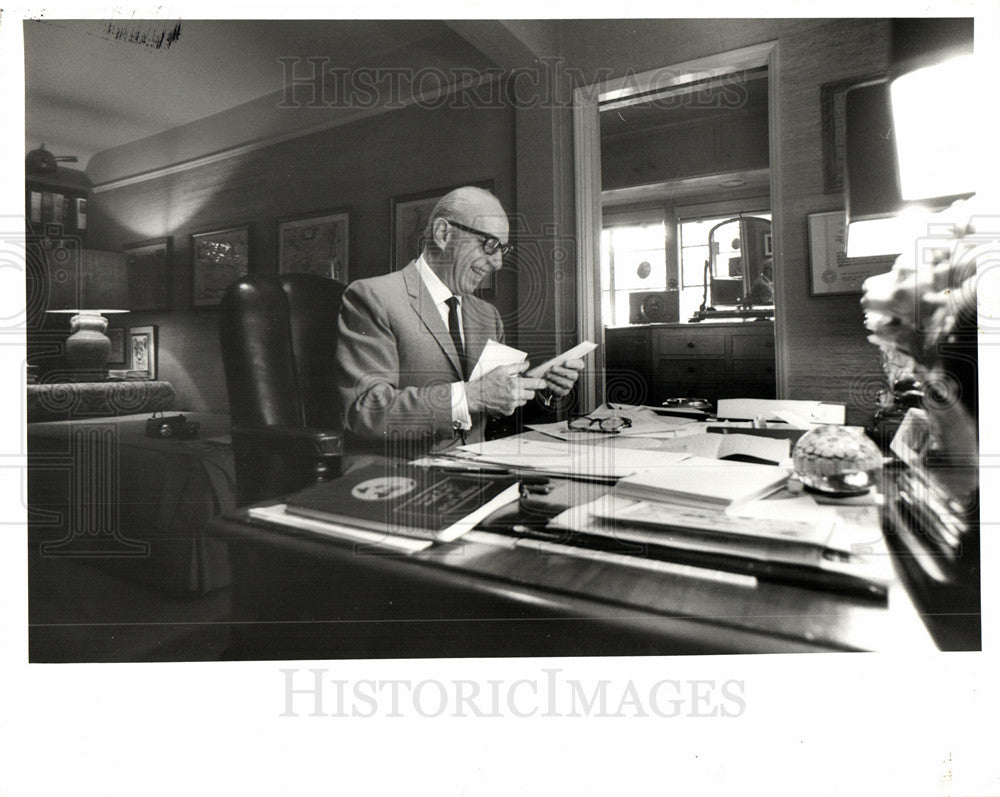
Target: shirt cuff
{"points": [[459, 406]]}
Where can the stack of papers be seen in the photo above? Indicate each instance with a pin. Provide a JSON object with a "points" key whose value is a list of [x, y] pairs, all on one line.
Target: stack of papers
{"points": [[702, 481], [569, 459], [819, 552]]}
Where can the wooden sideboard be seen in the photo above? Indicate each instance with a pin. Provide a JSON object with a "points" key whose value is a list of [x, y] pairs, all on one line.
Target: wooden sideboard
{"points": [[650, 363]]}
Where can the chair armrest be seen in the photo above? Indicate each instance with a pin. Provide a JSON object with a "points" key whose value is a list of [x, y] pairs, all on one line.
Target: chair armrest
{"points": [[273, 461], [295, 441]]}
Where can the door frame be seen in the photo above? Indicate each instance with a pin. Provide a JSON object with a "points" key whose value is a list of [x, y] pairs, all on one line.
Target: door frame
{"points": [[587, 169]]}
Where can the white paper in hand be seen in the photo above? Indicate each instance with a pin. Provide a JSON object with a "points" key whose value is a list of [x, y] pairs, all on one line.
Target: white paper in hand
{"points": [[575, 353], [494, 355]]}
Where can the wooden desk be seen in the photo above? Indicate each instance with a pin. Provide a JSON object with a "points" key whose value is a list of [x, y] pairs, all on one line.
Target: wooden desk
{"points": [[298, 596]]}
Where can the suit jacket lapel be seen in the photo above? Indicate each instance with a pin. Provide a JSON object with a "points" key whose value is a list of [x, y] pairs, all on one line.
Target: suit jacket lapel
{"points": [[423, 305]]}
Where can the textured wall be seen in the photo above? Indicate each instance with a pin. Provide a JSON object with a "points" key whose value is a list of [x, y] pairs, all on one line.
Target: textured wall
{"points": [[362, 166], [826, 355]]}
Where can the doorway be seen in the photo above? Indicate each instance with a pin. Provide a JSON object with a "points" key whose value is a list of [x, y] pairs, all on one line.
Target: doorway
{"points": [[641, 180]]}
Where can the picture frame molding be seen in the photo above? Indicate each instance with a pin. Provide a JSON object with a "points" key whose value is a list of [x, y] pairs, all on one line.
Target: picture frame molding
{"points": [[825, 260], [117, 337], [396, 205], [201, 301], [324, 214], [150, 332]]}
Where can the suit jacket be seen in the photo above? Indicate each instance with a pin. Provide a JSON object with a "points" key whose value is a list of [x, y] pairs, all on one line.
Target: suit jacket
{"points": [[395, 362]]}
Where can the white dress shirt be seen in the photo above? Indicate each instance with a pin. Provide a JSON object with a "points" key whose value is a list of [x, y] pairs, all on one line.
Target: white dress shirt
{"points": [[440, 294]]}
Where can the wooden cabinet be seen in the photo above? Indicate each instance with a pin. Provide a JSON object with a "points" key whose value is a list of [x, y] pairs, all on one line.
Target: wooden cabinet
{"points": [[647, 364]]}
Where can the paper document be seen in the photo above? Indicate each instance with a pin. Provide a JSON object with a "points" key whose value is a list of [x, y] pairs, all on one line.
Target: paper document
{"points": [[575, 353], [277, 514], [796, 412], [568, 459], [710, 482], [494, 355], [745, 445]]}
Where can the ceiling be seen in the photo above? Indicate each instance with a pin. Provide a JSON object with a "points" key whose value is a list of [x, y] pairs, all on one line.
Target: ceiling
{"points": [[89, 88], [92, 88]]}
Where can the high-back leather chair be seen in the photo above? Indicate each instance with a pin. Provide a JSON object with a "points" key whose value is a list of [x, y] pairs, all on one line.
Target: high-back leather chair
{"points": [[278, 337]]}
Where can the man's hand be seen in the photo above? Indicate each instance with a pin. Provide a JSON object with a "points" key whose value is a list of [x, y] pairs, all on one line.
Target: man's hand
{"points": [[502, 390], [559, 379]]}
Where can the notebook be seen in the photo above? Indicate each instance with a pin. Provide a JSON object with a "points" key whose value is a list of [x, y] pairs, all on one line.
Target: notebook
{"points": [[703, 481], [426, 503]]}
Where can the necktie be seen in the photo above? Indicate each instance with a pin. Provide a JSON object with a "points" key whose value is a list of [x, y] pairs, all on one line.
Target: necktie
{"points": [[456, 334]]}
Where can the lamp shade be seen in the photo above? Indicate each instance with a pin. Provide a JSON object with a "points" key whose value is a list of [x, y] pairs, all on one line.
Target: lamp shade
{"points": [[85, 278], [871, 170]]}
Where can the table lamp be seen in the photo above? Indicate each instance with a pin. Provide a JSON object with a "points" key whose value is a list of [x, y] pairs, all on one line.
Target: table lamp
{"points": [[88, 349], [911, 146], [86, 284]]}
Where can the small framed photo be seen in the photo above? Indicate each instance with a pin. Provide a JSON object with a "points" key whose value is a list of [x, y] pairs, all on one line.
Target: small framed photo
{"points": [[147, 269], [142, 350], [317, 244], [410, 214], [219, 258], [831, 271], [117, 337]]}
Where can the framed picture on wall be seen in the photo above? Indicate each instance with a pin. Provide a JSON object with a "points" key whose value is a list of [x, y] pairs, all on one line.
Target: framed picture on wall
{"points": [[219, 258], [410, 214], [142, 350], [147, 269], [316, 244], [831, 271], [117, 337]]}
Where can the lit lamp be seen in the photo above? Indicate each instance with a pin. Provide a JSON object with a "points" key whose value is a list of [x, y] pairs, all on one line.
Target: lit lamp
{"points": [[86, 285], [911, 144], [88, 348]]}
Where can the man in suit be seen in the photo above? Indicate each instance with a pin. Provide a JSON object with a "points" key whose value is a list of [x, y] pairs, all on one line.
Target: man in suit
{"points": [[410, 339]]}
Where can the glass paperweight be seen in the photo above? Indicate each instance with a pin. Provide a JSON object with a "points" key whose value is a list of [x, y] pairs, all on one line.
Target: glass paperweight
{"points": [[837, 460]]}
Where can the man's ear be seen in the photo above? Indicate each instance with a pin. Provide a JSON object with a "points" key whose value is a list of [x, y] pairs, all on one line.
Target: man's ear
{"points": [[439, 233]]}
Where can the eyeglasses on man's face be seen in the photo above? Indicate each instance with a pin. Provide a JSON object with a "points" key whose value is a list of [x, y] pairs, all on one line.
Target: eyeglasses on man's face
{"points": [[491, 244], [610, 425]]}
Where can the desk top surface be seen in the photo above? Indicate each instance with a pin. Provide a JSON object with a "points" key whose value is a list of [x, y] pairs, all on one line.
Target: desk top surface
{"points": [[714, 611]]}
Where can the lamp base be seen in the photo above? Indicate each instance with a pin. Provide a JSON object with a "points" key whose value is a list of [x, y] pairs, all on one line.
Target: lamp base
{"points": [[88, 348]]}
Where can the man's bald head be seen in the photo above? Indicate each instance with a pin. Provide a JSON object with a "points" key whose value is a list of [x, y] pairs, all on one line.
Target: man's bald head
{"points": [[468, 205], [463, 237]]}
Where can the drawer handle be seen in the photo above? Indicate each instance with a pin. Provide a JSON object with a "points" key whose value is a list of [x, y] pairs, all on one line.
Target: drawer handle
{"points": [[691, 344]]}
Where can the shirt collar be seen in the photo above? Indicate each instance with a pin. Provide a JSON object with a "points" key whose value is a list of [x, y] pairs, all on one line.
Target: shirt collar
{"points": [[438, 290]]}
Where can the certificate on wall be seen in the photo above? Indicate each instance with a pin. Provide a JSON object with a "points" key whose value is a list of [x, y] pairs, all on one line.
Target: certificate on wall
{"points": [[317, 244], [220, 257], [831, 271]]}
